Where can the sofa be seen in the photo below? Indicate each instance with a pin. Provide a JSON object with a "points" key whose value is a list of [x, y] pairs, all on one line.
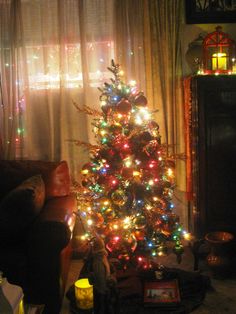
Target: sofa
{"points": [[36, 229]]}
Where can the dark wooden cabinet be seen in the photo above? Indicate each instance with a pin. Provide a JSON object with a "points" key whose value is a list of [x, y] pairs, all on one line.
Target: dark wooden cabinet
{"points": [[213, 153]]}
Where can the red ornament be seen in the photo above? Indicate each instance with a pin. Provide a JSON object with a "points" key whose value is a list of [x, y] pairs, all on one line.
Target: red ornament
{"points": [[102, 180], [144, 138], [127, 173], [124, 243], [151, 165], [140, 101], [123, 106], [111, 182], [125, 150], [139, 234]]}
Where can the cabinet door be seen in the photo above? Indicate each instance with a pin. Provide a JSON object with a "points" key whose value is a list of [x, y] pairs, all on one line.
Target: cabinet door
{"points": [[214, 109]]}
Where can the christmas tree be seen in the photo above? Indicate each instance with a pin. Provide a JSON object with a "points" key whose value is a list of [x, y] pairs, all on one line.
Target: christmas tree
{"points": [[128, 182]]}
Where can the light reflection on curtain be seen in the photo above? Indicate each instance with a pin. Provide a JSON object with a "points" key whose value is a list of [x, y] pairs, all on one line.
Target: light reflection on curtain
{"points": [[67, 47], [12, 79]]}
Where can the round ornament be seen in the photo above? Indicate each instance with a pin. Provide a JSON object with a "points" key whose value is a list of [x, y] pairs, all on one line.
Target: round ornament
{"points": [[121, 243], [144, 138], [139, 234], [104, 203], [109, 214], [123, 106], [140, 101], [119, 197], [102, 180], [127, 173], [125, 150], [140, 222], [111, 182]]}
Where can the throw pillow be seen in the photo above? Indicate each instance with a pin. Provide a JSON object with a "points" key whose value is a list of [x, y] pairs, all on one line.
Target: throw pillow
{"points": [[20, 207], [37, 186]]}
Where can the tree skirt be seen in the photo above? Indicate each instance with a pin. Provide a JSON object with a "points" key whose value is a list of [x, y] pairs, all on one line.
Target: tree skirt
{"points": [[192, 287]]}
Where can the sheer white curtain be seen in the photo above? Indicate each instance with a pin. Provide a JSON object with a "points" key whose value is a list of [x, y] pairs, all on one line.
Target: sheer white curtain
{"points": [[52, 53]]}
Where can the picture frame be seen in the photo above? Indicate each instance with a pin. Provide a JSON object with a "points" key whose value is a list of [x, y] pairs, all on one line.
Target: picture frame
{"points": [[161, 293], [210, 11]]}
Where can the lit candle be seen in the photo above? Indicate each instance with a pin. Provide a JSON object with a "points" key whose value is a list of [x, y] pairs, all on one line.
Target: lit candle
{"points": [[84, 294], [219, 61]]}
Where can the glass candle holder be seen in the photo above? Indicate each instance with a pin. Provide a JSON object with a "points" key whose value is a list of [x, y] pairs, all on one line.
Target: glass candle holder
{"points": [[84, 294]]}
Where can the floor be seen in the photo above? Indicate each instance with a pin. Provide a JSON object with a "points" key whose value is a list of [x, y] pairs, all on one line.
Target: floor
{"points": [[221, 297]]}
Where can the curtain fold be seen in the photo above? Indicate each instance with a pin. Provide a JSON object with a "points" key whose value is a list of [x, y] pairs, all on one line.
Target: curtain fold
{"points": [[129, 39], [162, 25], [11, 79]]}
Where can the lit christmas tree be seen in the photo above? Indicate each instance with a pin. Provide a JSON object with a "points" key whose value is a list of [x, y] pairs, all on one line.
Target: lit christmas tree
{"points": [[128, 183]]}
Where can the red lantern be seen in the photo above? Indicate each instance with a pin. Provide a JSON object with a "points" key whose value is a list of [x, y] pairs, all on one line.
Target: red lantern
{"points": [[218, 52]]}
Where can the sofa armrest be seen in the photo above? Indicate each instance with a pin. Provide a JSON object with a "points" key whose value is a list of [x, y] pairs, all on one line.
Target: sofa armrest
{"points": [[54, 226], [49, 238]]}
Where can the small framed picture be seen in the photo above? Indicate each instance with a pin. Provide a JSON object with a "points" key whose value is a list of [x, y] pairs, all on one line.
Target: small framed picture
{"points": [[161, 293]]}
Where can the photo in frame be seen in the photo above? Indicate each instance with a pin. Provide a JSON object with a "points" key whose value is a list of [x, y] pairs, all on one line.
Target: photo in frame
{"points": [[210, 11], [161, 293]]}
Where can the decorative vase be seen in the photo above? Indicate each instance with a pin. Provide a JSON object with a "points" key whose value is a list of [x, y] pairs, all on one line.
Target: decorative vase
{"points": [[218, 259], [194, 54]]}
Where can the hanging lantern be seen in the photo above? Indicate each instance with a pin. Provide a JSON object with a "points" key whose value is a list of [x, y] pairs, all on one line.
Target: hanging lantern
{"points": [[218, 53], [84, 294]]}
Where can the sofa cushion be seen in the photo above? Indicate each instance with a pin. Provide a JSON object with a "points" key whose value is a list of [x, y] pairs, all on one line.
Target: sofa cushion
{"points": [[55, 175], [20, 207]]}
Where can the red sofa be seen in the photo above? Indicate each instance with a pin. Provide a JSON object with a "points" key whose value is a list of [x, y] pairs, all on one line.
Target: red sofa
{"points": [[36, 227]]}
